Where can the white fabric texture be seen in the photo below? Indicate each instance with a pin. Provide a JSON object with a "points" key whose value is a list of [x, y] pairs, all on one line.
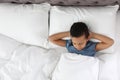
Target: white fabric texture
{"points": [[108, 67], [118, 22], [19, 61], [117, 48], [7, 46], [99, 19], [76, 67], [29, 63], [26, 62], [110, 63], [34, 63], [25, 23]]}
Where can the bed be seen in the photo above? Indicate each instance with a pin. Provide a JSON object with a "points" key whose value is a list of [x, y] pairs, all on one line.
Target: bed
{"points": [[26, 53]]}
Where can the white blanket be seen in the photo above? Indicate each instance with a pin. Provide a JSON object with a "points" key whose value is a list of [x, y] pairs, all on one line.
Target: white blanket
{"points": [[25, 62], [29, 63], [76, 67]]}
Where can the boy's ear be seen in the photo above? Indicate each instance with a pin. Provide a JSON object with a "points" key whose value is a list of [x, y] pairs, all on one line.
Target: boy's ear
{"points": [[89, 37]]}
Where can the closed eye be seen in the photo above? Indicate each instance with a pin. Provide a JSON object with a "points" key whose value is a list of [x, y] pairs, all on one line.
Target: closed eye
{"points": [[78, 43]]}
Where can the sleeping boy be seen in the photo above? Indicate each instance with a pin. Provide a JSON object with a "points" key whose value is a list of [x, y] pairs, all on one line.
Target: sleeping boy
{"points": [[80, 42]]}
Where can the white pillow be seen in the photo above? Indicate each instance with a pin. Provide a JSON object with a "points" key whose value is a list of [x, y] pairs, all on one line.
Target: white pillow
{"points": [[118, 22], [99, 19], [117, 39], [25, 23], [76, 67]]}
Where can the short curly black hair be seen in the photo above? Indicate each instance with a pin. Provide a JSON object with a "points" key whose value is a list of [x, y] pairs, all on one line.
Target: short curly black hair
{"points": [[78, 29]]}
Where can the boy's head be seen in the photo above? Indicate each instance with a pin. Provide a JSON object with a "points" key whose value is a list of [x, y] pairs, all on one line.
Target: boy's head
{"points": [[79, 33]]}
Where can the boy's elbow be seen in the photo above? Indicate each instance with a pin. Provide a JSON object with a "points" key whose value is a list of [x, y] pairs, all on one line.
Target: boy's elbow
{"points": [[50, 38], [111, 42]]}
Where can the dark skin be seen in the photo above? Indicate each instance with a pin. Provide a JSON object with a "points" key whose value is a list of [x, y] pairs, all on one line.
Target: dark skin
{"points": [[80, 42]]}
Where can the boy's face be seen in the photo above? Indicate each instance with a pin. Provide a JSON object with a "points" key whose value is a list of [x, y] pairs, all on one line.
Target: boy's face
{"points": [[79, 42]]}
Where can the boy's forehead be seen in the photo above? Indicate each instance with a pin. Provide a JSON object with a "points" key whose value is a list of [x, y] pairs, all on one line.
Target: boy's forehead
{"points": [[78, 39]]}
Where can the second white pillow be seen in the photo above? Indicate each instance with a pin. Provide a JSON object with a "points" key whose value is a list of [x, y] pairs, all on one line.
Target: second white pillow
{"points": [[99, 19]]}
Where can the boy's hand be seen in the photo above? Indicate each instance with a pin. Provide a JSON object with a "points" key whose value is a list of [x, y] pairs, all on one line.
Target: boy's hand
{"points": [[91, 35]]}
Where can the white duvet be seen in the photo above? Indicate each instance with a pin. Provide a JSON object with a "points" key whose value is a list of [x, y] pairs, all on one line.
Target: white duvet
{"points": [[76, 67], [29, 63], [24, 62], [34, 63]]}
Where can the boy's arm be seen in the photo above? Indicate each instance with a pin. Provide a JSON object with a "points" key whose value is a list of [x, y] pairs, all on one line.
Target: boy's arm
{"points": [[57, 38], [105, 41]]}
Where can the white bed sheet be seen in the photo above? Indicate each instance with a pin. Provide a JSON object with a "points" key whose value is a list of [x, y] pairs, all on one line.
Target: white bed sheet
{"points": [[35, 63], [117, 49]]}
